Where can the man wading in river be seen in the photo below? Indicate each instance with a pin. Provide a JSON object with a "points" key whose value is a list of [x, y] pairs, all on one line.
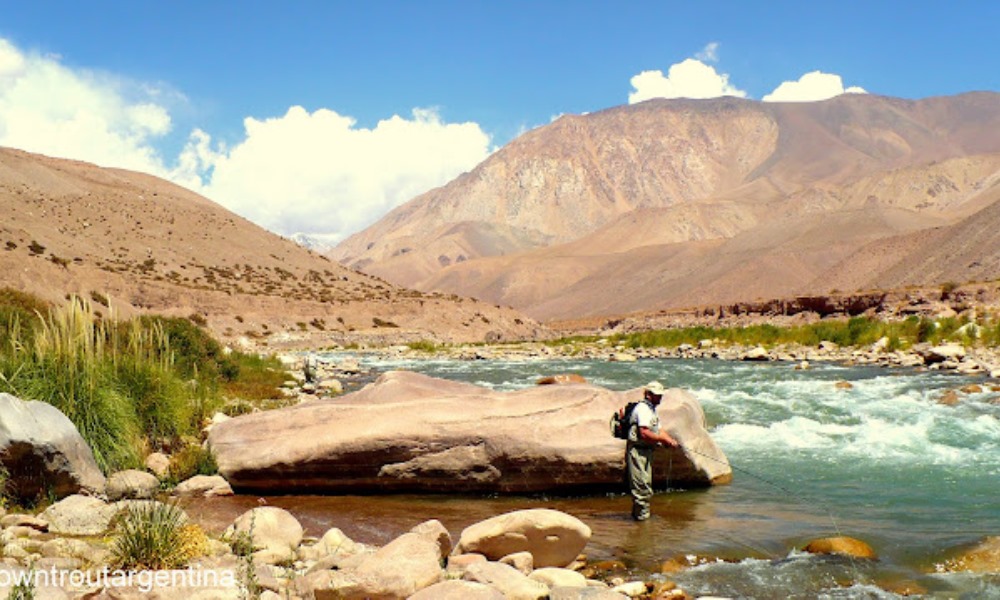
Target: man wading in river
{"points": [[644, 436]]}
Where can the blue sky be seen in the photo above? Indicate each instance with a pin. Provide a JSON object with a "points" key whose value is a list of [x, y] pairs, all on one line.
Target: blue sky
{"points": [[187, 76]]}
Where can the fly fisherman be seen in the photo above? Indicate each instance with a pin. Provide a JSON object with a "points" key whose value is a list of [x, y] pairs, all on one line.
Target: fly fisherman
{"points": [[644, 436]]}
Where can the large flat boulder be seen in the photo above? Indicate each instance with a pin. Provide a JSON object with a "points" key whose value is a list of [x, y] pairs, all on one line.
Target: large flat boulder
{"points": [[412, 432], [43, 452]]}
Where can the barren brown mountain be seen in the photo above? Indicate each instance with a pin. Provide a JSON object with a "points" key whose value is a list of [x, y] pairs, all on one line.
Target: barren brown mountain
{"points": [[142, 244], [673, 203]]}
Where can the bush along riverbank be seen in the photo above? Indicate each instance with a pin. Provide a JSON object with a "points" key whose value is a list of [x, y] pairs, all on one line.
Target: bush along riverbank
{"points": [[964, 344], [131, 387]]}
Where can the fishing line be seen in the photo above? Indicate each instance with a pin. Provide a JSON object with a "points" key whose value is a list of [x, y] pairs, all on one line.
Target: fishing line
{"points": [[797, 495]]}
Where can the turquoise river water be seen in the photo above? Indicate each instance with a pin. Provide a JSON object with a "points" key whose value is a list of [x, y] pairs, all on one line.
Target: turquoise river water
{"points": [[883, 462]]}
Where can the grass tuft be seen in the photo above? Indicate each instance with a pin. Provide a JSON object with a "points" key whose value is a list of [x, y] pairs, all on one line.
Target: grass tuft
{"points": [[153, 535]]}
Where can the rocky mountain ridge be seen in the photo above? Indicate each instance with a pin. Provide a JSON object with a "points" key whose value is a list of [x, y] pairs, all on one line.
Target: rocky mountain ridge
{"points": [[673, 203]]}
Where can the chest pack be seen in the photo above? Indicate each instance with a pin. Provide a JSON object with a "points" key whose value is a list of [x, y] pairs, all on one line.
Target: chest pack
{"points": [[621, 420]]}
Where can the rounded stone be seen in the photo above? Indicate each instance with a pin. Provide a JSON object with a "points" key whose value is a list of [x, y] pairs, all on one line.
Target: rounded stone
{"points": [[553, 538], [131, 484], [843, 545]]}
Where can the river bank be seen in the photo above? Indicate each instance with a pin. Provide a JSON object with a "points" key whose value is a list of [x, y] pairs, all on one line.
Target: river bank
{"points": [[310, 549], [945, 357]]}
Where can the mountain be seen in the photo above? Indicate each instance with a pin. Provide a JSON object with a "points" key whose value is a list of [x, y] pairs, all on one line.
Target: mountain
{"points": [[672, 203], [311, 242], [141, 244]]}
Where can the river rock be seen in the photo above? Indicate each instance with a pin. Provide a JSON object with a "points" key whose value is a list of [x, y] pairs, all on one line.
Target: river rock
{"points": [[333, 542], [587, 593], [561, 379], [43, 452], [943, 353], [758, 354], [275, 533], [436, 532], [20, 520], [522, 561], [553, 538], [79, 515], [66, 548], [131, 484], [846, 546], [403, 433], [948, 398], [22, 532], [458, 590], [631, 589], [623, 357], [983, 558], [554, 577], [332, 386], [399, 569], [509, 581], [459, 563], [206, 486], [158, 464]]}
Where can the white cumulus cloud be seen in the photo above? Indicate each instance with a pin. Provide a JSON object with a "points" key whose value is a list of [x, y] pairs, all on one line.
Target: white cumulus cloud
{"points": [[690, 78], [316, 173], [48, 108], [811, 87], [319, 173]]}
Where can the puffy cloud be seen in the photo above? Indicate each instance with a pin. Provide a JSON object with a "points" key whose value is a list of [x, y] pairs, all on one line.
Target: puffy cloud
{"points": [[319, 173], [48, 108], [690, 78], [811, 87]]}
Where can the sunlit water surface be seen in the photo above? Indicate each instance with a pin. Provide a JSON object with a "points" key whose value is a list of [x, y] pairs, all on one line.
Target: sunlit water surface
{"points": [[882, 461]]}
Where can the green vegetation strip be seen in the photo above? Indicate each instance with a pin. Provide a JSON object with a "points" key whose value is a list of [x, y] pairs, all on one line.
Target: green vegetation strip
{"points": [[130, 387], [854, 332]]}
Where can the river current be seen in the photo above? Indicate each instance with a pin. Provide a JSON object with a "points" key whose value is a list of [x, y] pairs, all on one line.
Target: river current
{"points": [[882, 461]]}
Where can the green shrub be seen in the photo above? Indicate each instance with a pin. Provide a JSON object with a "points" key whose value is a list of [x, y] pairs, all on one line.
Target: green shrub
{"points": [[20, 313], [24, 587], [4, 479], [423, 346], [257, 378], [196, 353], [190, 461], [857, 331], [117, 382], [153, 535], [926, 330], [243, 547]]}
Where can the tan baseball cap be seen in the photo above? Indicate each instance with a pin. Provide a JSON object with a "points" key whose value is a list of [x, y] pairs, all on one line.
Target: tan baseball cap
{"points": [[656, 388]]}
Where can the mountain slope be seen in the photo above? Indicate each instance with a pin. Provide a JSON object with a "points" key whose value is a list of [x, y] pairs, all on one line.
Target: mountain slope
{"points": [[74, 228], [582, 216], [966, 251]]}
